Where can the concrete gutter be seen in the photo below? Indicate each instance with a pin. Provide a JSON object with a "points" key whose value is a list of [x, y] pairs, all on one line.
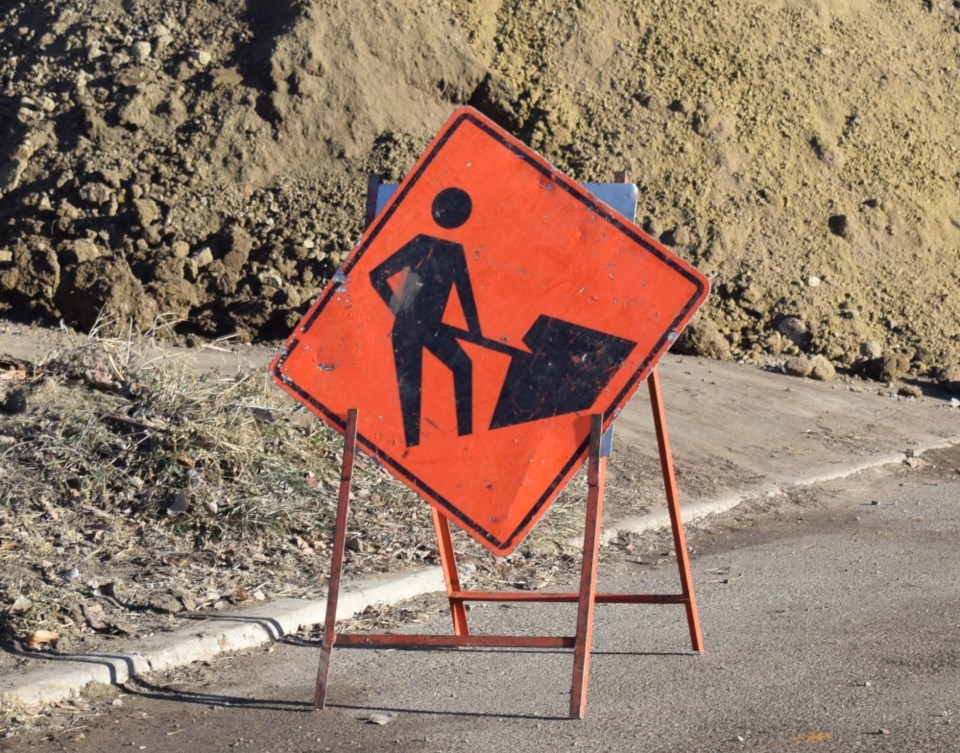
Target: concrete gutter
{"points": [[703, 508]]}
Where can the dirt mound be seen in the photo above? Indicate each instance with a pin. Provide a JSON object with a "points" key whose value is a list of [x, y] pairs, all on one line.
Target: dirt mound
{"points": [[208, 160]]}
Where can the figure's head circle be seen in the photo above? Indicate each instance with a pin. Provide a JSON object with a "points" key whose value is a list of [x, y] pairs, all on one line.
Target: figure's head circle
{"points": [[451, 208]]}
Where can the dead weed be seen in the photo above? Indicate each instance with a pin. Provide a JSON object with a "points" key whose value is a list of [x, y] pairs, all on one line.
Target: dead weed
{"points": [[135, 490]]}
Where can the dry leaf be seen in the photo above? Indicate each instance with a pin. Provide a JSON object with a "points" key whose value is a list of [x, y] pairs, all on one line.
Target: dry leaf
{"points": [[356, 544], [94, 616], [812, 737], [179, 505], [263, 415], [41, 637], [14, 402], [49, 509], [16, 373], [101, 378]]}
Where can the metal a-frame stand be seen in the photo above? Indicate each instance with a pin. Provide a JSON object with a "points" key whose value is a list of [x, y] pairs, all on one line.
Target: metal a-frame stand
{"points": [[586, 598]]}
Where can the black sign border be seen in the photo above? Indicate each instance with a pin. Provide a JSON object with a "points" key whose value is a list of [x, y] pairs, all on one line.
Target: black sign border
{"points": [[581, 195]]}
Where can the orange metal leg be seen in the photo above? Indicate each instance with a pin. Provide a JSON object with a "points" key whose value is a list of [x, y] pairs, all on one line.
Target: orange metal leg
{"points": [[586, 598], [448, 562], [336, 561], [596, 476], [673, 504]]}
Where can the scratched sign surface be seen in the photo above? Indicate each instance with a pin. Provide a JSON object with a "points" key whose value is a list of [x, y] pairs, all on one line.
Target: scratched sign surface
{"points": [[489, 310]]}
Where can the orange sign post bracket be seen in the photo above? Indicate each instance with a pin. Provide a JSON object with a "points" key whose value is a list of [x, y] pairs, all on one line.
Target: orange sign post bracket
{"points": [[479, 342]]}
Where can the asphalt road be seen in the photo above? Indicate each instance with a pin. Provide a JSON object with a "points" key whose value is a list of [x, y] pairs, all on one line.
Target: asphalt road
{"points": [[831, 619]]}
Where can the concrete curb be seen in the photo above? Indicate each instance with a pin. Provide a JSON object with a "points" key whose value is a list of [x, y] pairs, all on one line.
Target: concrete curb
{"points": [[249, 628]]}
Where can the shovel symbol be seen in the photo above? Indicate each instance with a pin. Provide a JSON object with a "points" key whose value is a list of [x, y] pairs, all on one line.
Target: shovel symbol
{"points": [[565, 370]]}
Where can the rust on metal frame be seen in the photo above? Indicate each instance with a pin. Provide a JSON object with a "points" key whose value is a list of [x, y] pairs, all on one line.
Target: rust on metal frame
{"points": [[673, 505], [336, 562], [596, 476], [451, 575], [586, 598]]}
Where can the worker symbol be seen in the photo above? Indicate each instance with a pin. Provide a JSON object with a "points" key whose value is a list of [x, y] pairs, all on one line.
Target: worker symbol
{"points": [[562, 369], [434, 267]]}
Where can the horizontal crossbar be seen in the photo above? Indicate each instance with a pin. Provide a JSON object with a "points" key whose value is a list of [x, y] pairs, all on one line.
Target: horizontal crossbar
{"points": [[547, 596], [391, 640]]}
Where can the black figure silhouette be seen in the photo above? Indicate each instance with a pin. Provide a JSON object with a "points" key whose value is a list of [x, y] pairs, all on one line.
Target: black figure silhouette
{"points": [[434, 268]]}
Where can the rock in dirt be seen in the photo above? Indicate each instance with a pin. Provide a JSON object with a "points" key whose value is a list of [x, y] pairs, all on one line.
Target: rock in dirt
{"points": [[140, 51], [702, 338], [139, 111], [147, 211], [822, 369], [795, 330], [104, 284], [817, 367], [237, 244], [10, 173], [201, 57], [96, 193], [887, 368], [798, 366], [79, 251]]}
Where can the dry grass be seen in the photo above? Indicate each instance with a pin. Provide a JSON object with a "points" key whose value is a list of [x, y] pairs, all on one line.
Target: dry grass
{"points": [[134, 488], [138, 472], [121, 433]]}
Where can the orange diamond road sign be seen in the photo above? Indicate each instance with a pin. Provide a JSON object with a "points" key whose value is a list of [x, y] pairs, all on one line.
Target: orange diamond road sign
{"points": [[490, 309]]}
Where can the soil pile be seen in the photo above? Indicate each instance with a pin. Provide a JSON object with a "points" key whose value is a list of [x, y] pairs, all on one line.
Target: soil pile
{"points": [[208, 161]]}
